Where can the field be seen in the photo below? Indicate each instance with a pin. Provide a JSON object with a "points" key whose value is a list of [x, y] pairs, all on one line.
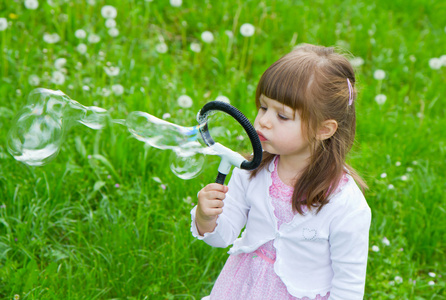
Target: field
{"points": [[107, 218]]}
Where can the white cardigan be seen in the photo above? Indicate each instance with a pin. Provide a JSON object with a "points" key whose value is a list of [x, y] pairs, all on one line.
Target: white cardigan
{"points": [[315, 253]]}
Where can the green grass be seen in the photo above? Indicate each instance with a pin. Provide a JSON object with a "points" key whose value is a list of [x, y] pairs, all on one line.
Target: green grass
{"points": [[68, 232]]}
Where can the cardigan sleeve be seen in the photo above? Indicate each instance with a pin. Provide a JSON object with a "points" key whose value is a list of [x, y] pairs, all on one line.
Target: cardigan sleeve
{"points": [[234, 216], [349, 243]]}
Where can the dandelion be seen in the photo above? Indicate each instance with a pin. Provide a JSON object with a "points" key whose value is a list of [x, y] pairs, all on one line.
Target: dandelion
{"points": [[176, 3], [229, 34], [3, 24], [106, 92], [166, 116], [431, 283], [117, 89], [398, 163], [404, 178], [109, 12], [223, 99], [86, 88], [51, 38], [409, 169], [111, 71], [357, 61], [80, 34], [161, 48], [113, 32], [185, 101], [240, 138], [16, 297], [380, 99], [195, 47], [435, 63], [398, 279], [379, 74], [390, 186], [412, 58], [94, 38], [375, 248], [110, 23], [31, 4], [383, 175], [81, 48], [247, 30], [58, 78], [432, 274], [386, 241], [33, 80], [60, 63], [207, 37], [443, 60]]}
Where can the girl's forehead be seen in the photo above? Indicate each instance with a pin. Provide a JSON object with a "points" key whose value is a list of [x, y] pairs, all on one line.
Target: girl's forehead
{"points": [[276, 104]]}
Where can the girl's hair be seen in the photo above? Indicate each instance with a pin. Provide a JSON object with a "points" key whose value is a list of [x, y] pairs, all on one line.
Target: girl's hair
{"points": [[313, 81]]}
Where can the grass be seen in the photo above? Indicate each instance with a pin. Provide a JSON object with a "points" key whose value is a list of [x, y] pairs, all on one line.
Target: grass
{"points": [[107, 219]]}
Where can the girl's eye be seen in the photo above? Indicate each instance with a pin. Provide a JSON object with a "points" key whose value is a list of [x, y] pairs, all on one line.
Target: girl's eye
{"points": [[282, 117], [263, 108]]}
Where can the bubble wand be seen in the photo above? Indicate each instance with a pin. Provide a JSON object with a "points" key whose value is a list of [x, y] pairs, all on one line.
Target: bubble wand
{"points": [[228, 157]]}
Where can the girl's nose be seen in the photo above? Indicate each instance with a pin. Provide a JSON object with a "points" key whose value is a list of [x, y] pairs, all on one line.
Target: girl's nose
{"points": [[264, 120]]}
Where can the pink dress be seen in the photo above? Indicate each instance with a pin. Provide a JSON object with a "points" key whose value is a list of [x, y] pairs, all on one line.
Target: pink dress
{"points": [[251, 275]]}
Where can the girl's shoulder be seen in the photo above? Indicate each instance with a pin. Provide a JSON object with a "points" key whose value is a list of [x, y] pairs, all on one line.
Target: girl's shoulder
{"points": [[348, 197]]}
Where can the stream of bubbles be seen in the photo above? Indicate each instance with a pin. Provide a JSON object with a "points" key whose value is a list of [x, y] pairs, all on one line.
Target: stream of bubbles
{"points": [[39, 130]]}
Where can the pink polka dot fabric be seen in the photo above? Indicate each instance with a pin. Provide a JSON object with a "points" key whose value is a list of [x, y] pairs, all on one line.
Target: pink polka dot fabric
{"points": [[251, 275]]}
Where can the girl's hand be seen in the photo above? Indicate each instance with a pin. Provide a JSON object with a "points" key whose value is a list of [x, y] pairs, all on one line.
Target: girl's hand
{"points": [[210, 205]]}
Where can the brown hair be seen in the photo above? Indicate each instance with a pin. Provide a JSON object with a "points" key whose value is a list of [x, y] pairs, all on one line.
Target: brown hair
{"points": [[313, 80]]}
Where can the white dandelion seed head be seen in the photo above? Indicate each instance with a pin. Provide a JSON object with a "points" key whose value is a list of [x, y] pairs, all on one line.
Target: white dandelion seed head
{"points": [[184, 101], [81, 48], [375, 248], [58, 78], [432, 274], [3, 24], [113, 32], [380, 99], [176, 3], [166, 116], [195, 47], [404, 178], [247, 30], [105, 92], [357, 61], [390, 186], [412, 58], [443, 60], [223, 99], [386, 241], [31, 4], [111, 71], [383, 175], [398, 279], [33, 80], [409, 169], [229, 34], [109, 12], [60, 63], [86, 88], [80, 34], [207, 37], [110, 23], [161, 48], [117, 89], [379, 74], [431, 283], [94, 38], [51, 38], [398, 163], [435, 63]]}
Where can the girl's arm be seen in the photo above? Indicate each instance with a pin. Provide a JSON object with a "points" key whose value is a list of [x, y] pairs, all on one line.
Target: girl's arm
{"points": [[219, 222], [349, 243]]}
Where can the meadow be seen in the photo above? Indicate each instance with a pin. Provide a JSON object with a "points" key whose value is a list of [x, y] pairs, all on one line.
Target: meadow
{"points": [[107, 218]]}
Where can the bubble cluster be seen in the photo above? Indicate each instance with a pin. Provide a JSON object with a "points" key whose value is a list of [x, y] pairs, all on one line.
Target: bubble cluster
{"points": [[40, 128]]}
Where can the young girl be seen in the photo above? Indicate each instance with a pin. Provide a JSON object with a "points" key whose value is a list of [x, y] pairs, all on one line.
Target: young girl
{"points": [[306, 220]]}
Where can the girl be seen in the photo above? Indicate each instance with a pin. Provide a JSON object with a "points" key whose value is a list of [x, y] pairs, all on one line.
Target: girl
{"points": [[306, 220]]}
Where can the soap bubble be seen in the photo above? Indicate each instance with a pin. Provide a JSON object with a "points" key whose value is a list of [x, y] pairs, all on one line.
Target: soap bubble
{"points": [[186, 165]]}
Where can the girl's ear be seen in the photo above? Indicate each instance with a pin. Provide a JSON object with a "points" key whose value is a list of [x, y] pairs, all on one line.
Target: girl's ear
{"points": [[327, 129]]}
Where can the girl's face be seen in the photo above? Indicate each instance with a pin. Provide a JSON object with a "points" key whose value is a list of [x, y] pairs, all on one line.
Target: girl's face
{"points": [[280, 130]]}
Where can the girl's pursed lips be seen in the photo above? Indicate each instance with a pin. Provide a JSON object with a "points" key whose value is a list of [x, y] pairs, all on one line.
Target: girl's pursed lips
{"points": [[261, 137]]}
